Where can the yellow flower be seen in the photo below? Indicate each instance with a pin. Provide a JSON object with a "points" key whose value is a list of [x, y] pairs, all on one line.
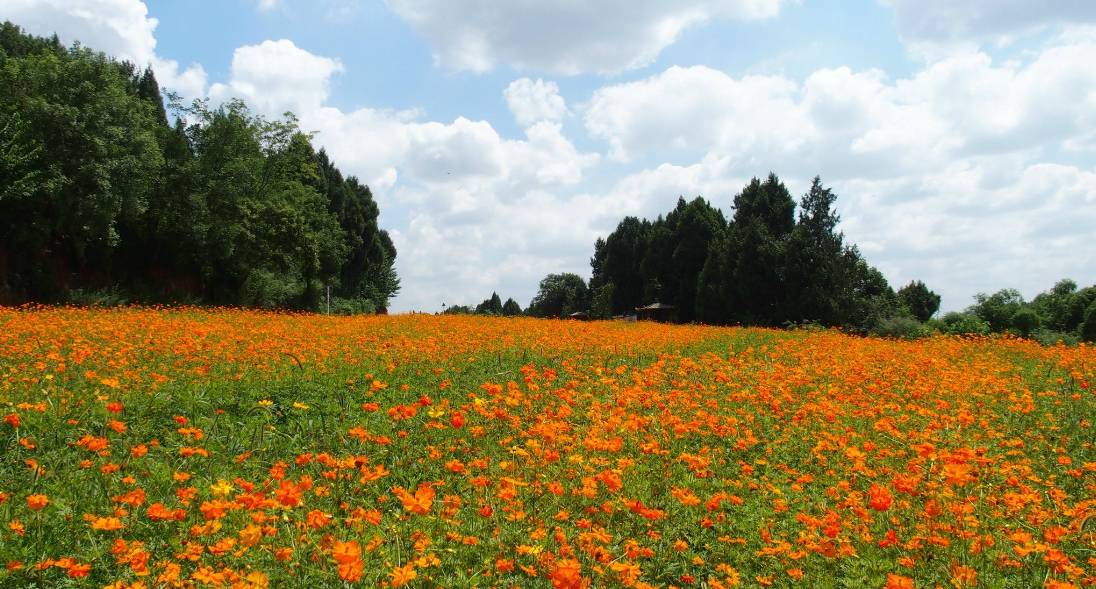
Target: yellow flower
{"points": [[221, 488], [265, 403], [299, 405]]}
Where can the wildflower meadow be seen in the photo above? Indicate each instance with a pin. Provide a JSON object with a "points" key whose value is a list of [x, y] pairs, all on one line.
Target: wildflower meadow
{"points": [[146, 447]]}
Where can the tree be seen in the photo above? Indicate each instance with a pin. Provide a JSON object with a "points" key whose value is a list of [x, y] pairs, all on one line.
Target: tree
{"points": [[601, 305], [491, 306], [1025, 320], [921, 302], [815, 261], [997, 309], [1088, 327], [560, 295], [81, 151], [511, 308], [1053, 306], [622, 261], [696, 226], [763, 219], [97, 191], [714, 288]]}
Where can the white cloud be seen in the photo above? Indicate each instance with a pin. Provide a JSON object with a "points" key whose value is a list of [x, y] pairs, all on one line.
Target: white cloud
{"points": [[276, 76], [693, 108], [120, 28], [933, 28], [267, 5], [531, 101], [839, 119], [959, 175], [563, 37]]}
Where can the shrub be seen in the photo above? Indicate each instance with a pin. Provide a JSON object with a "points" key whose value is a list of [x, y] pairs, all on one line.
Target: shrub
{"points": [[963, 324], [268, 290], [1025, 321], [901, 328], [361, 306], [106, 297], [1049, 337]]}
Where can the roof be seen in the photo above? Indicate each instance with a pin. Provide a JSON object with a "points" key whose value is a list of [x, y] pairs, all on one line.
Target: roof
{"points": [[655, 307]]}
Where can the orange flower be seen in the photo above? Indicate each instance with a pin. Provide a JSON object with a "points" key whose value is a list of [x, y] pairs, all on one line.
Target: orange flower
{"points": [[78, 570], [567, 574], [403, 575], [106, 524], [879, 498], [419, 503], [898, 582], [37, 502]]}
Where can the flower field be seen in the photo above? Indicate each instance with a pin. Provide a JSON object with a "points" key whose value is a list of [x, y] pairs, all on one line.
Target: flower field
{"points": [[221, 448]]}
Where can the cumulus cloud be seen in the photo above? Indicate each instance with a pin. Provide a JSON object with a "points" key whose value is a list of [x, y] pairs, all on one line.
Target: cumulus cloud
{"points": [[121, 28], [532, 101], [936, 27], [960, 106], [563, 37], [276, 76], [963, 174]]}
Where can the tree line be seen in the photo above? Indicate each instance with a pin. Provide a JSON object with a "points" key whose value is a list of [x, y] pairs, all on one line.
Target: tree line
{"points": [[1063, 313], [102, 196], [771, 264], [777, 264]]}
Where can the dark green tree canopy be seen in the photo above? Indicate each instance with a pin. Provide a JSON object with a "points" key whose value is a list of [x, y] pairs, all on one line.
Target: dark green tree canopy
{"points": [[921, 302], [511, 308], [560, 295], [491, 306], [767, 266], [99, 191]]}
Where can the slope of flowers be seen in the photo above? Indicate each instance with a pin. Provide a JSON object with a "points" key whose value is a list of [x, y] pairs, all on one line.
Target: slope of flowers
{"points": [[190, 448]]}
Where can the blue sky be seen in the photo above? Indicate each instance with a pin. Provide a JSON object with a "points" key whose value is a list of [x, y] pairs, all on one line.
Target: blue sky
{"points": [[502, 138]]}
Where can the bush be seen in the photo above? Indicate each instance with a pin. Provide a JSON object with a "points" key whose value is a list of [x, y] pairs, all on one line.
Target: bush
{"points": [[340, 306], [963, 324], [268, 290], [1049, 337], [107, 297], [1025, 321], [901, 328]]}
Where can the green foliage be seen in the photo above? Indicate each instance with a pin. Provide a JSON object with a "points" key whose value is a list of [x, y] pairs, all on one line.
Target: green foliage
{"points": [[491, 306], [1088, 326], [98, 192], [341, 306], [963, 324], [764, 267], [601, 305], [901, 328], [511, 308], [921, 302], [1049, 338], [997, 309], [1025, 321], [560, 295]]}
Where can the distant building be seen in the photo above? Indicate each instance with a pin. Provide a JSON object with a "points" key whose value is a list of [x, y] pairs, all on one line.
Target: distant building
{"points": [[657, 312]]}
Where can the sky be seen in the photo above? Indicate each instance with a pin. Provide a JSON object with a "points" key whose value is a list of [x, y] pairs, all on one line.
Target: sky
{"points": [[501, 139]]}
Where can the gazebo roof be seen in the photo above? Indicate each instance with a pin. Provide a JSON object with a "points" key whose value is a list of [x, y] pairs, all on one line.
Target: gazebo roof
{"points": [[656, 307]]}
